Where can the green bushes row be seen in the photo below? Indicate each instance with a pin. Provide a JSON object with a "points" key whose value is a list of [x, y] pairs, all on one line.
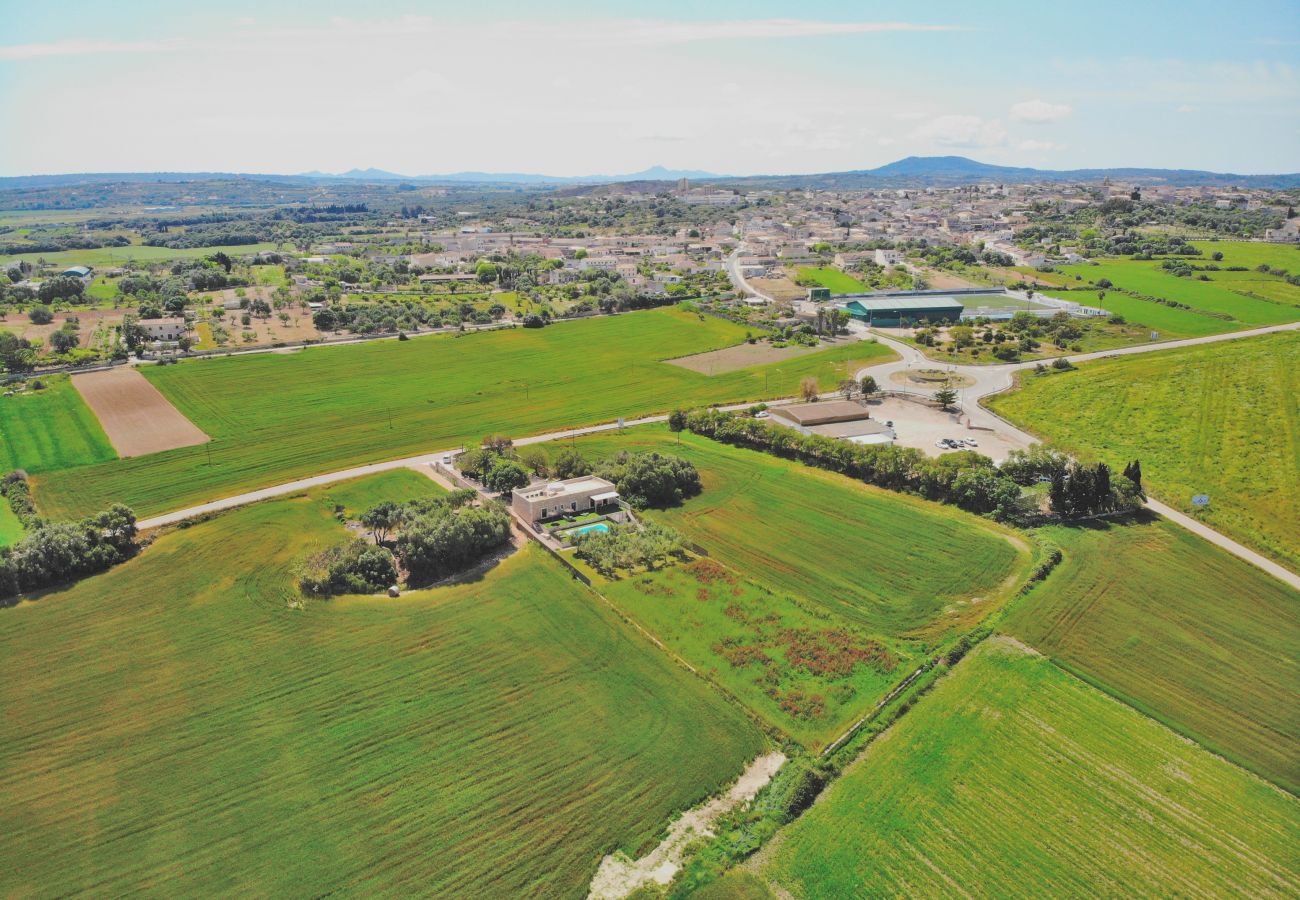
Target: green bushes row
{"points": [[52, 554]]}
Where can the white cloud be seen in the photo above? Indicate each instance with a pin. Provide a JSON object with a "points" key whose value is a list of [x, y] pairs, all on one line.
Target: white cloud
{"points": [[1039, 111], [75, 47], [1037, 146], [971, 132], [1187, 108]]}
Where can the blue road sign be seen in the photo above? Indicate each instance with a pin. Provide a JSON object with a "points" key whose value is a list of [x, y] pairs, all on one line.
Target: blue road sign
{"points": [[1201, 500]]}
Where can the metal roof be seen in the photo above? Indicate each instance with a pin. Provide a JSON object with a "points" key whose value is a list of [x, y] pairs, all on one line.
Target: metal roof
{"points": [[891, 303]]}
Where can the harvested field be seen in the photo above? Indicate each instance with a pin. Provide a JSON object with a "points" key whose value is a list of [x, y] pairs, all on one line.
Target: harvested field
{"points": [[742, 356], [136, 417]]}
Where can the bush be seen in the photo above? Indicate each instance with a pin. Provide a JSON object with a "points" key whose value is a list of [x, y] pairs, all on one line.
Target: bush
{"points": [[651, 479], [505, 476], [570, 464], [40, 315], [444, 540], [55, 553], [353, 568]]}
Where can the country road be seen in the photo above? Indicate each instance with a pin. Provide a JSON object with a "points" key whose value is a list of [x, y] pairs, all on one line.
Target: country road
{"points": [[988, 380]]}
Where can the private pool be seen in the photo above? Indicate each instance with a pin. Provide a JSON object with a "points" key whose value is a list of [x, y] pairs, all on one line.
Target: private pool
{"points": [[595, 526]]}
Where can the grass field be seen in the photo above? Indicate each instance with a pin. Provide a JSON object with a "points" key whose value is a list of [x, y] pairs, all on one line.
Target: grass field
{"points": [[1251, 254], [1220, 419], [108, 257], [1145, 276], [1181, 630], [276, 417], [172, 726], [801, 668], [11, 530], [899, 566], [839, 282], [1014, 779], [41, 431]]}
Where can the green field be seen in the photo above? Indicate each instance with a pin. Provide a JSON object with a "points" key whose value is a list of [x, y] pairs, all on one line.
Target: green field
{"points": [[41, 431], [839, 282], [1145, 276], [802, 669], [1014, 779], [1181, 630], [276, 417], [11, 530], [1250, 254], [1219, 419], [173, 726], [897, 565], [108, 257]]}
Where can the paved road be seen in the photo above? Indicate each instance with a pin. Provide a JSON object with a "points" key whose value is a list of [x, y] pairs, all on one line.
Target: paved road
{"points": [[989, 379], [737, 279]]}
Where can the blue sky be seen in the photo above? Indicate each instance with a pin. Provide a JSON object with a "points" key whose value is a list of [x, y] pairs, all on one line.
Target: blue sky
{"points": [[585, 87]]}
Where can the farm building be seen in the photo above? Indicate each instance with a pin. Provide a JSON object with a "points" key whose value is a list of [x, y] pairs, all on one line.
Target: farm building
{"points": [[170, 328], [82, 272], [841, 419], [562, 498], [891, 312]]}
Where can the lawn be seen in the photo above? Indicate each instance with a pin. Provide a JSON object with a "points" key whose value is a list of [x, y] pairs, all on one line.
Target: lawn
{"points": [[896, 565], [1181, 630], [839, 282], [49, 429], [275, 417], [173, 726], [1015, 779], [1220, 419], [804, 670], [1250, 254]]}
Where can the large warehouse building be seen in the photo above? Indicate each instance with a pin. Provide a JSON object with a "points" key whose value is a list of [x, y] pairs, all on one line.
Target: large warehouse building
{"points": [[891, 312]]}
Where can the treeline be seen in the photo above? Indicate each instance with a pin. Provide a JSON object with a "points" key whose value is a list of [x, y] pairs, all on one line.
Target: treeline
{"points": [[965, 479], [224, 234], [56, 243], [430, 539], [50, 554]]}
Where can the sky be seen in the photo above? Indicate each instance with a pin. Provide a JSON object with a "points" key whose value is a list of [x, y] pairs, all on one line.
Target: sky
{"points": [[570, 87]]}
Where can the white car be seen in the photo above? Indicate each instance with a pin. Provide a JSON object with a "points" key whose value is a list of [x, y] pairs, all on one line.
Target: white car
{"points": [[761, 414], [971, 442], [943, 443]]}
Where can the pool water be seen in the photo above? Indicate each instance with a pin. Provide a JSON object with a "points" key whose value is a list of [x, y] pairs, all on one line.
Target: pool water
{"points": [[595, 526]]}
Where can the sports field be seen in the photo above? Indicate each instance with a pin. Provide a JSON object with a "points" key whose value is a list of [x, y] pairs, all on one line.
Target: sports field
{"points": [[839, 282], [1015, 779], [172, 726], [899, 566], [1221, 420], [275, 417], [1180, 629], [41, 431]]}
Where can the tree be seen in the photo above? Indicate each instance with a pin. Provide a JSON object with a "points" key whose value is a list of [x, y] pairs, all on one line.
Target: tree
{"points": [[16, 354], [570, 464], [677, 420], [60, 288], [382, 518], [223, 260], [1133, 472], [651, 479], [945, 397], [497, 443], [808, 389], [486, 272], [64, 340], [535, 459], [506, 475], [40, 315], [848, 387], [868, 385], [133, 333]]}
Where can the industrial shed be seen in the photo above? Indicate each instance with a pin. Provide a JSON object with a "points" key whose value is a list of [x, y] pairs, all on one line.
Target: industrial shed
{"points": [[891, 312]]}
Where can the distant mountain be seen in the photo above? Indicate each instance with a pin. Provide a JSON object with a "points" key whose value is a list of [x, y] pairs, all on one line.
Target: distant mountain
{"points": [[924, 171], [654, 173]]}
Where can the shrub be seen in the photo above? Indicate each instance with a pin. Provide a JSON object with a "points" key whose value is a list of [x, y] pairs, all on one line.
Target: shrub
{"points": [[443, 540], [505, 476], [352, 568], [570, 464], [651, 479], [40, 315], [55, 553]]}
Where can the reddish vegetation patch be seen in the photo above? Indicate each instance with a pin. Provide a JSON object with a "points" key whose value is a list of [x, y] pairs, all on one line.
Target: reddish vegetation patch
{"points": [[802, 705], [653, 588], [833, 652], [703, 595], [708, 571], [741, 655]]}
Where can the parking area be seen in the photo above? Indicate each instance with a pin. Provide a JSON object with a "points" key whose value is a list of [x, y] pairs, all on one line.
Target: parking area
{"points": [[920, 425]]}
